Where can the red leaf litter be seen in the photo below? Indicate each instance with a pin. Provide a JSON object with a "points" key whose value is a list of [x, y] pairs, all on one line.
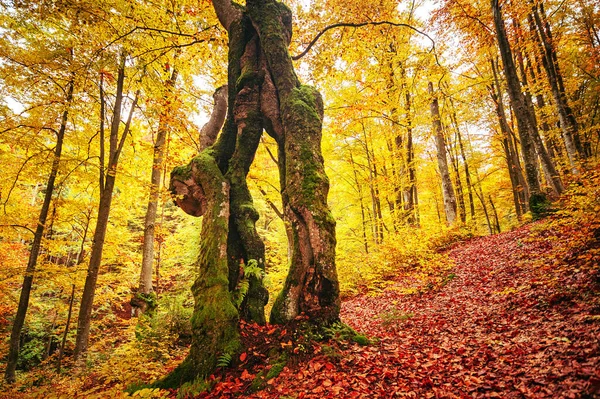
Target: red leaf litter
{"points": [[518, 318]]}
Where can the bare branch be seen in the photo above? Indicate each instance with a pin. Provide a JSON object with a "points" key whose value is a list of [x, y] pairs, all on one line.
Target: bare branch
{"points": [[359, 25], [18, 225]]}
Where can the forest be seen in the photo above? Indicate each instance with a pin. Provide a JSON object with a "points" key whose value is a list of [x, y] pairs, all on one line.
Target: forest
{"points": [[300, 199]]}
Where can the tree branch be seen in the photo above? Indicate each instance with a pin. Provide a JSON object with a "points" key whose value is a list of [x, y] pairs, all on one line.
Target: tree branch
{"points": [[359, 25], [227, 12], [18, 225]]}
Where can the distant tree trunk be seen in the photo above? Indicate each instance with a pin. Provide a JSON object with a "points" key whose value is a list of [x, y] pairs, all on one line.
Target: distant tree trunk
{"points": [[377, 224], [362, 207], [142, 299], [518, 182], [497, 221], [447, 189], [61, 351], [19, 321], [464, 158], [481, 198], [550, 63], [536, 197], [107, 184], [410, 194], [264, 92], [552, 177], [462, 209]]}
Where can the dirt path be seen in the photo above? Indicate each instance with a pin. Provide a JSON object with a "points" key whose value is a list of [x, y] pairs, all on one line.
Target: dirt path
{"points": [[501, 327]]}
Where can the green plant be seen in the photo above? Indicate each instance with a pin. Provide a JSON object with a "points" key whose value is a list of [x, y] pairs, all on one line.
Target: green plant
{"points": [[250, 270], [343, 332], [194, 388], [393, 317], [224, 360]]}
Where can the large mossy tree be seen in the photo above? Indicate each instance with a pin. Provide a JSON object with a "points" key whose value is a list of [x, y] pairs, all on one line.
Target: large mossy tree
{"points": [[264, 95]]}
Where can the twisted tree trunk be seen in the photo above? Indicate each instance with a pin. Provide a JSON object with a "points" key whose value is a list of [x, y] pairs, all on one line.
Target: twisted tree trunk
{"points": [[264, 93]]}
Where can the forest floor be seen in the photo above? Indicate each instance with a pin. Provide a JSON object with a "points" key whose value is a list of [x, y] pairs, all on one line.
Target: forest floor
{"points": [[518, 317]]}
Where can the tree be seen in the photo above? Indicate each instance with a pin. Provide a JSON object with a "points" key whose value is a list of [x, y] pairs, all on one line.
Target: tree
{"points": [[524, 123], [448, 195], [264, 93], [107, 178], [143, 298], [15, 336], [543, 37]]}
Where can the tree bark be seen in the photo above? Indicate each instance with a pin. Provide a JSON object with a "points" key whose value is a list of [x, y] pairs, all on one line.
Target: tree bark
{"points": [[362, 207], [552, 176], [19, 321], [61, 351], [518, 182], [215, 318], [447, 190]]}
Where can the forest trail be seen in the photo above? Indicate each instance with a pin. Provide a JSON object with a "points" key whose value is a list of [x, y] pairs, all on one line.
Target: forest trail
{"points": [[504, 325]]}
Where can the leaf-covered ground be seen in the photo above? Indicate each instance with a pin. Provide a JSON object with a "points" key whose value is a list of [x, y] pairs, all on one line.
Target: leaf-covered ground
{"points": [[518, 317]]}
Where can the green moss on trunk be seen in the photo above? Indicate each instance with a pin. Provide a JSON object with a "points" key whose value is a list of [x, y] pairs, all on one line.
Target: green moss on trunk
{"points": [[215, 318]]}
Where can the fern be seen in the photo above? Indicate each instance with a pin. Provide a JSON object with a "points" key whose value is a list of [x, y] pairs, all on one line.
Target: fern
{"points": [[250, 270], [224, 360]]}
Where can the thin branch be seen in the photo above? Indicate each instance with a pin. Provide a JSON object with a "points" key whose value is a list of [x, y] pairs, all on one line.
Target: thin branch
{"points": [[14, 184], [18, 225], [358, 25]]}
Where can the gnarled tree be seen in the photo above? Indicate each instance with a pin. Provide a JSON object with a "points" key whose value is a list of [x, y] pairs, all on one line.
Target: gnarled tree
{"points": [[264, 94]]}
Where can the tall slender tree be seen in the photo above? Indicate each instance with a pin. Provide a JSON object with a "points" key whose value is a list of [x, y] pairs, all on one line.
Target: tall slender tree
{"points": [[448, 195], [107, 179], [36, 245], [142, 299], [536, 197]]}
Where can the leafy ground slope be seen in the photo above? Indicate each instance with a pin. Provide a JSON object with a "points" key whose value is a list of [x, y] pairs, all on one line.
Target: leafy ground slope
{"points": [[519, 317]]}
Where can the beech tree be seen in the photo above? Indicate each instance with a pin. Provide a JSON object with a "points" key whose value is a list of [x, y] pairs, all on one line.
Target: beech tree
{"points": [[524, 122], [143, 298], [448, 195], [108, 173], [264, 94]]}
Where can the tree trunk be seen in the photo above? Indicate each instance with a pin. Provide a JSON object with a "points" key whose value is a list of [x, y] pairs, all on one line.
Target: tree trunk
{"points": [[536, 197], [362, 207], [144, 298], [568, 124], [19, 321], [496, 220], [410, 194], [552, 177], [264, 92], [215, 318], [61, 351], [518, 182], [462, 210], [447, 189], [107, 184]]}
